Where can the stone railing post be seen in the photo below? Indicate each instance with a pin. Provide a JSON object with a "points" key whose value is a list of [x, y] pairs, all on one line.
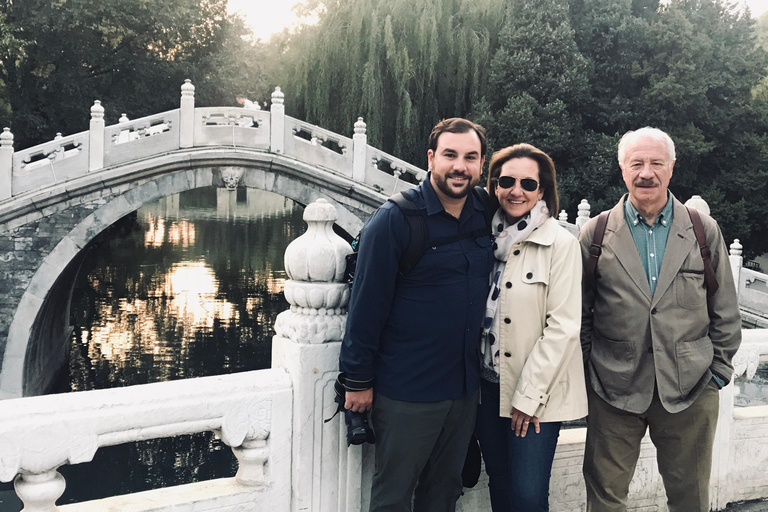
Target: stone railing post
{"points": [[187, 115], [277, 122], [721, 456], [583, 216], [96, 138], [359, 151], [39, 492], [737, 260], [324, 471], [6, 164]]}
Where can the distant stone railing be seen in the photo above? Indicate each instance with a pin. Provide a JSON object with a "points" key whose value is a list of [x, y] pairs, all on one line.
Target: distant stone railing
{"points": [[108, 147]]}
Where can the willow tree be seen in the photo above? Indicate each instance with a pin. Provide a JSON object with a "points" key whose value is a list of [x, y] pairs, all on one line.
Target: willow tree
{"points": [[401, 65]]}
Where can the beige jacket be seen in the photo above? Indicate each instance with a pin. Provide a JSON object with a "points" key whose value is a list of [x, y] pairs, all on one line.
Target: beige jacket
{"points": [[541, 369]]}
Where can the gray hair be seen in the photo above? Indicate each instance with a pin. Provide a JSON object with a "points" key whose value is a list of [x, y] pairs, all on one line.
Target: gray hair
{"points": [[653, 133]]}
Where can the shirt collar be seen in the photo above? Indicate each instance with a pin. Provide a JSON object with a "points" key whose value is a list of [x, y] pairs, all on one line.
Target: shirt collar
{"points": [[635, 217]]}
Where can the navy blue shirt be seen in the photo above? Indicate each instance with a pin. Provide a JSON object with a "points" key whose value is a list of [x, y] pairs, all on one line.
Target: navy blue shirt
{"points": [[417, 334]]}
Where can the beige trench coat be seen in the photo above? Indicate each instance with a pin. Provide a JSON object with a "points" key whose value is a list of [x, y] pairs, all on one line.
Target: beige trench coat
{"points": [[541, 370]]}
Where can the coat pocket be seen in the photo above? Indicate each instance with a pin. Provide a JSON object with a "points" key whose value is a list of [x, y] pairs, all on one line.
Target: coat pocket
{"points": [[692, 359], [613, 361], [690, 290]]}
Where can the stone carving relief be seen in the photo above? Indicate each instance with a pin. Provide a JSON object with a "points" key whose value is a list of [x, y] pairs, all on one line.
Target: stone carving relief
{"points": [[231, 177]]}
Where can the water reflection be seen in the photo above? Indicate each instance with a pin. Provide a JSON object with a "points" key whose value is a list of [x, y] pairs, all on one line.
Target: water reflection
{"points": [[186, 287]]}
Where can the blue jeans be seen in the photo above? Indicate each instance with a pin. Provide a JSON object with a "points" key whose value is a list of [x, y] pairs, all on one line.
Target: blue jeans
{"points": [[518, 468]]}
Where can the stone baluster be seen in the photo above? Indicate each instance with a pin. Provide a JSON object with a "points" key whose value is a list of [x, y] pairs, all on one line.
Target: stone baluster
{"points": [[583, 216], [307, 345], [252, 456], [563, 217], [698, 203], [39, 492], [359, 151], [58, 154], [187, 115], [96, 138], [6, 164], [737, 261], [277, 122]]}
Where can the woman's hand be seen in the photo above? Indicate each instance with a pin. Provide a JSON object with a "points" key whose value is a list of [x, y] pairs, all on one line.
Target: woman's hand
{"points": [[520, 422]]}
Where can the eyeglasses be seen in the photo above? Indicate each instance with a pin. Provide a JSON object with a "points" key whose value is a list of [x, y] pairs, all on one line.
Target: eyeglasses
{"points": [[528, 184]]}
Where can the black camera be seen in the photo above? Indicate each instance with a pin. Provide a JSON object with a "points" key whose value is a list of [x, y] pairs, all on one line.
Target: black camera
{"points": [[359, 431]]}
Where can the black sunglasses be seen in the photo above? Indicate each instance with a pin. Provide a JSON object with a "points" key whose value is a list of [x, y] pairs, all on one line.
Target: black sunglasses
{"points": [[528, 184]]}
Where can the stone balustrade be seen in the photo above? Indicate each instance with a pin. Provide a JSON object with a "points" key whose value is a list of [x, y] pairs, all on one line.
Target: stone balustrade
{"points": [[250, 412], [103, 148]]}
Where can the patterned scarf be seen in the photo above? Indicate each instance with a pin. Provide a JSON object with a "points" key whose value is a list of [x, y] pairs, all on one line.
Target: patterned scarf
{"points": [[506, 236]]}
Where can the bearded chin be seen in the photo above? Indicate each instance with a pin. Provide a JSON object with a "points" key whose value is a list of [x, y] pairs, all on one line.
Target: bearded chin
{"points": [[452, 192]]}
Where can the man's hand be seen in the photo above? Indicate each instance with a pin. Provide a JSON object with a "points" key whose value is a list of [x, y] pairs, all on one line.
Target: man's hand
{"points": [[359, 401]]}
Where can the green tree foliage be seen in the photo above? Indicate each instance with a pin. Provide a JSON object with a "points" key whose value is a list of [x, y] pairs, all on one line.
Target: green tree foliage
{"points": [[401, 65], [56, 58], [569, 76], [697, 75], [538, 85]]}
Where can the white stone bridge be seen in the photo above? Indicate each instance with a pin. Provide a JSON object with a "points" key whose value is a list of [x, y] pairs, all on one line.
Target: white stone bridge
{"points": [[56, 197]]}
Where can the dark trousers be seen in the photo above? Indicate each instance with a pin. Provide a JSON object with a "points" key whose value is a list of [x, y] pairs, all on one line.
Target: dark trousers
{"points": [[420, 451], [683, 443], [518, 468]]}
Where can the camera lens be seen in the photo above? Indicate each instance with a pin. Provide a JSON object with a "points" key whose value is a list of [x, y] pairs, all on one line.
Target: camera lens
{"points": [[358, 429]]}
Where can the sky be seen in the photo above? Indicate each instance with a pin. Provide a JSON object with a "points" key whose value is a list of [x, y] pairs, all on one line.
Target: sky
{"points": [[269, 16]]}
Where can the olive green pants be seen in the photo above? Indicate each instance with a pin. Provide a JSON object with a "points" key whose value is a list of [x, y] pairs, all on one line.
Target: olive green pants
{"points": [[420, 452], [683, 443]]}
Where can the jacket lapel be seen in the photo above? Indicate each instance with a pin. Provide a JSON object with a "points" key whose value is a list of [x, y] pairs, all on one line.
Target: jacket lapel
{"points": [[678, 247], [623, 246]]}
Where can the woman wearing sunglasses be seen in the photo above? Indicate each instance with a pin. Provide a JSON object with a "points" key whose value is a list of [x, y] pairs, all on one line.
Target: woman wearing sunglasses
{"points": [[533, 377]]}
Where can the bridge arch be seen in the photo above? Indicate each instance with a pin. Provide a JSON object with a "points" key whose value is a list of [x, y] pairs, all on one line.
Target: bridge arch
{"points": [[38, 334]]}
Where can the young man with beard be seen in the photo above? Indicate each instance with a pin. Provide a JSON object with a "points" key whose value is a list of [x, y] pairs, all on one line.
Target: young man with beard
{"points": [[410, 352]]}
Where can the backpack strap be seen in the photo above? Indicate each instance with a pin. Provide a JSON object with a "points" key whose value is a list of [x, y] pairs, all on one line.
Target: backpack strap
{"points": [[417, 224], [596, 247], [709, 273], [482, 195]]}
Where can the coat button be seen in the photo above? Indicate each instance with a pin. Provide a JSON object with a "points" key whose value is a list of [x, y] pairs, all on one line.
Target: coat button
{"points": [[507, 354], [653, 311], [507, 321], [529, 275], [517, 251], [508, 285]]}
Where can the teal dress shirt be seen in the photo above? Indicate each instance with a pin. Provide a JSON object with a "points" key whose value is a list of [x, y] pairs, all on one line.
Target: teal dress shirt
{"points": [[651, 241]]}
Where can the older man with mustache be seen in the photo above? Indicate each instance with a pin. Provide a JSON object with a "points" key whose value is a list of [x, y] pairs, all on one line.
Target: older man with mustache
{"points": [[657, 336]]}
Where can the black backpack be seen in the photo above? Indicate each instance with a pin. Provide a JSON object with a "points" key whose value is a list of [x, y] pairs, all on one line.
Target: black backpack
{"points": [[417, 224]]}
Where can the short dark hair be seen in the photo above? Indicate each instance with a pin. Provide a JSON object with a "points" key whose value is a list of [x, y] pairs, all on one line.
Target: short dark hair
{"points": [[457, 125], [547, 175]]}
